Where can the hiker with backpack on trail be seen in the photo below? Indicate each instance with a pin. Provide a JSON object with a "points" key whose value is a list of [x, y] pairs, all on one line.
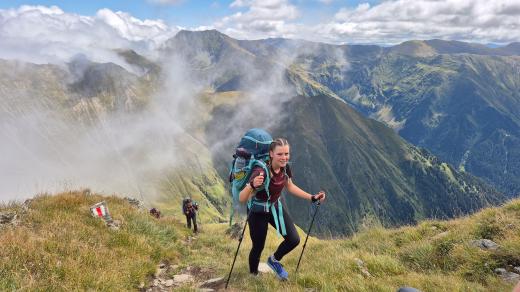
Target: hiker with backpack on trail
{"points": [[190, 208], [265, 206]]}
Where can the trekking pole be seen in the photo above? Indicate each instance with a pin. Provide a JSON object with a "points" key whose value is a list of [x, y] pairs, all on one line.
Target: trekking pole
{"points": [[236, 253], [307, 237]]}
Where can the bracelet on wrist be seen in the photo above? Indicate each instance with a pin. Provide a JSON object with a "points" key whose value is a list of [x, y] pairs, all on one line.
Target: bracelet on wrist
{"points": [[251, 185], [313, 198]]}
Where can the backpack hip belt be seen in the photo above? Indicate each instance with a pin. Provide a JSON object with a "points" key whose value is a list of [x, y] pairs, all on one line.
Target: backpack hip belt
{"points": [[269, 207]]}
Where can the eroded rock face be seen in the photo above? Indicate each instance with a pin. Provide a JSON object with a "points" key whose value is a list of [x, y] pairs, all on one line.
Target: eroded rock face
{"points": [[169, 277], [235, 231], [114, 224], [8, 218], [362, 267], [135, 202], [485, 244], [213, 284], [507, 276], [182, 279]]}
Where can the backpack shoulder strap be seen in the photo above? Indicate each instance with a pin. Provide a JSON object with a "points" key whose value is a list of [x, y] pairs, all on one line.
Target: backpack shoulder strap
{"points": [[267, 178], [287, 171]]}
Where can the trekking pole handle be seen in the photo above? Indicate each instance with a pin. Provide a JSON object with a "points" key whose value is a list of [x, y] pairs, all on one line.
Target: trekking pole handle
{"points": [[314, 198]]}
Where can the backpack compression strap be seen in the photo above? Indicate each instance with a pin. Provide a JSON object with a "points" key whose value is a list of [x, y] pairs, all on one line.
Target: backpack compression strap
{"points": [[280, 223], [258, 141], [237, 187]]}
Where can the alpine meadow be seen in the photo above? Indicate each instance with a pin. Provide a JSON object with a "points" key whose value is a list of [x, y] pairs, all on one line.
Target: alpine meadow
{"points": [[400, 168]]}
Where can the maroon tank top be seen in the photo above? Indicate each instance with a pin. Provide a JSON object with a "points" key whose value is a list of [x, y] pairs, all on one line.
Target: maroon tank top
{"points": [[276, 184]]}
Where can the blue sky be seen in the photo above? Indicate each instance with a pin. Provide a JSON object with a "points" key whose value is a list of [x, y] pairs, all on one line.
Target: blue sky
{"points": [[184, 13]]}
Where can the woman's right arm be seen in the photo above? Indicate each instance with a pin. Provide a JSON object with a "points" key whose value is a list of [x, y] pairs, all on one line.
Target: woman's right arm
{"points": [[246, 193], [248, 190]]}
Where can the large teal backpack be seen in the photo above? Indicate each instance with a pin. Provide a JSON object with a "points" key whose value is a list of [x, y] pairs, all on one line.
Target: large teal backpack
{"points": [[253, 150]]}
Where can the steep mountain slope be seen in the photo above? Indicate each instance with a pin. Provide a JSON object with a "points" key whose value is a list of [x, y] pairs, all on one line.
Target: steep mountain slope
{"points": [[215, 58], [83, 88], [436, 46], [456, 47], [369, 172], [373, 170], [406, 196], [456, 99], [100, 116], [464, 108], [226, 64]]}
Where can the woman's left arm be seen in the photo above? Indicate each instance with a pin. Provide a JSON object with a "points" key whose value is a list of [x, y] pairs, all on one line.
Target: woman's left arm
{"points": [[295, 190]]}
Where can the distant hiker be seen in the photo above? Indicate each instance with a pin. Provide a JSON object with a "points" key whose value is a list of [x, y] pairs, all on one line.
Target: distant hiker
{"points": [[156, 213], [190, 208], [266, 207]]}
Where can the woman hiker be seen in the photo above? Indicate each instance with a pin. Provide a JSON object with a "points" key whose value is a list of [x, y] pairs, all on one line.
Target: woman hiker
{"points": [[280, 177]]}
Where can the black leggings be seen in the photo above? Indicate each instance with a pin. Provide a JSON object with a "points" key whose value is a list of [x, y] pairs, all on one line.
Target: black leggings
{"points": [[258, 224], [192, 217]]}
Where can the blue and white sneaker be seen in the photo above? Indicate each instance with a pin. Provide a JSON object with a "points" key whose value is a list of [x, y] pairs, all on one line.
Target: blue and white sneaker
{"points": [[277, 267]]}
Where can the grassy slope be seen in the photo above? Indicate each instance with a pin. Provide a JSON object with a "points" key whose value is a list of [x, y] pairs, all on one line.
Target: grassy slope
{"points": [[59, 246], [369, 170], [461, 107]]}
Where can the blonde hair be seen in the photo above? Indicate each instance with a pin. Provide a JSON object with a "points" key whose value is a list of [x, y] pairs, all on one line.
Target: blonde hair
{"points": [[276, 142]]}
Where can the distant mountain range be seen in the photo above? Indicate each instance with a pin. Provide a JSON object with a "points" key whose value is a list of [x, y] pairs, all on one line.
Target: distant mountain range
{"points": [[458, 100], [461, 101], [369, 171]]}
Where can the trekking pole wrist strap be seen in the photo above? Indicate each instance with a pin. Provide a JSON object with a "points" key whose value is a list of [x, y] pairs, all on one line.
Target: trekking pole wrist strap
{"points": [[313, 198]]}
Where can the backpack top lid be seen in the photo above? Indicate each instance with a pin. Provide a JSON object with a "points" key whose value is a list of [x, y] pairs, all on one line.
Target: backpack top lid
{"points": [[256, 141]]}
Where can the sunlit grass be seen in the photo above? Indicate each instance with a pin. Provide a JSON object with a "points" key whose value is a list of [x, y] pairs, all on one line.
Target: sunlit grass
{"points": [[58, 245]]}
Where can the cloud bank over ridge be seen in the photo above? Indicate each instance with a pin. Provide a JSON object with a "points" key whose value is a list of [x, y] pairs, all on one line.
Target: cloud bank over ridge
{"points": [[40, 34]]}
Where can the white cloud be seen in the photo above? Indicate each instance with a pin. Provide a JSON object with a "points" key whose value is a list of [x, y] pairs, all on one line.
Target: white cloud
{"points": [[240, 3], [125, 152], [260, 19], [42, 34], [388, 22], [396, 21]]}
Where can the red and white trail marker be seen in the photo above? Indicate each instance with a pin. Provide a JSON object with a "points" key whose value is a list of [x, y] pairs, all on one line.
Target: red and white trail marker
{"points": [[100, 210]]}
